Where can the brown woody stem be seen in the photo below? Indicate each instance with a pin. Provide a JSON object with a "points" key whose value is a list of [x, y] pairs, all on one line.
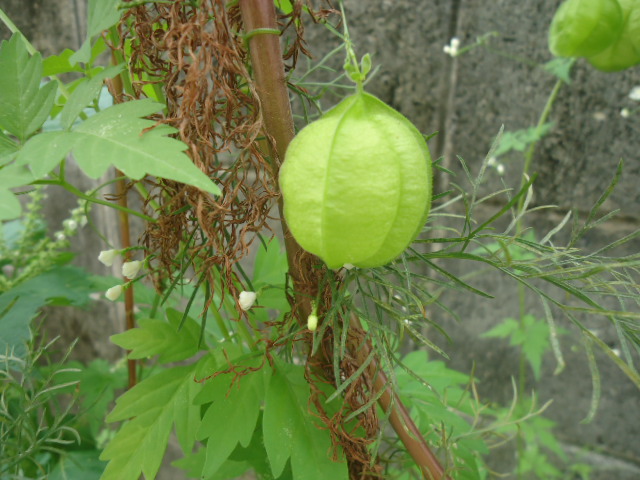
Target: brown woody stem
{"points": [[125, 240], [259, 18]]}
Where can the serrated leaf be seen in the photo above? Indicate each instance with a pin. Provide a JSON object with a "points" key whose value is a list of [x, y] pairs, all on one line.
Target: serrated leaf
{"points": [[291, 432], [85, 93], [113, 137], [519, 140], [232, 416], [561, 68], [157, 337], [270, 267], [10, 207], [502, 330], [102, 15], [139, 446], [24, 106], [535, 342], [12, 176], [57, 64], [98, 383], [82, 464], [43, 152], [8, 149]]}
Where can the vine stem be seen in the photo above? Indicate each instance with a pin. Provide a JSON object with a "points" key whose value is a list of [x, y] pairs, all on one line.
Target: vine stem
{"points": [[271, 86]]}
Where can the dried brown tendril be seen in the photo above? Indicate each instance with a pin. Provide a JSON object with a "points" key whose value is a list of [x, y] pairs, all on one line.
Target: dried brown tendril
{"points": [[194, 51]]}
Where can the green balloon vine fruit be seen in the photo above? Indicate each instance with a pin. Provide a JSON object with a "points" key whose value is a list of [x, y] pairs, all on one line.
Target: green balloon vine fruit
{"points": [[357, 183], [624, 52], [605, 32], [582, 28]]}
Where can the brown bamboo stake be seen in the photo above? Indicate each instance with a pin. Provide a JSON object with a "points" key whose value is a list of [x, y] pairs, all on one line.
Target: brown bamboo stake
{"points": [[125, 239], [259, 16]]}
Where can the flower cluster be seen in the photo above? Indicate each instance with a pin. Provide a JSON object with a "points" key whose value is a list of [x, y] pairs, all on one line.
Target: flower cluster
{"points": [[452, 48], [129, 270]]}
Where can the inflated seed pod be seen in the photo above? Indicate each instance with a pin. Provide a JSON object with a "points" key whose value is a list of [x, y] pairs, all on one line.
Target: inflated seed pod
{"points": [[624, 52], [356, 184], [582, 28]]}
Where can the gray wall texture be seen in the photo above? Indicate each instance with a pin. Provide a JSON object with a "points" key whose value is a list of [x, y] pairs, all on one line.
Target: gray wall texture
{"points": [[467, 99]]}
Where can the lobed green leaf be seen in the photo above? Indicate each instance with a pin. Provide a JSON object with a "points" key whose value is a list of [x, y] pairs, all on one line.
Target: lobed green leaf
{"points": [[155, 403], [290, 431], [24, 106], [158, 337]]}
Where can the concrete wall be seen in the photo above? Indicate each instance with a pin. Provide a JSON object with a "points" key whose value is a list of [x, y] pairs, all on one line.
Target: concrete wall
{"points": [[467, 99]]}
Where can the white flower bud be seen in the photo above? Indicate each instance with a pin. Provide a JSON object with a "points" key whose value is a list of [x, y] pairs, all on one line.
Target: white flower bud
{"points": [[625, 113], [107, 256], [634, 94], [312, 322], [246, 300], [113, 293], [131, 269]]}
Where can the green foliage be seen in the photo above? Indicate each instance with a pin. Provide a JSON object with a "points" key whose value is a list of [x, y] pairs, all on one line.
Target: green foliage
{"points": [[231, 416], [52, 414], [155, 404], [35, 273], [291, 432], [122, 138], [24, 105], [269, 280], [165, 339], [531, 334], [439, 397], [519, 140], [115, 133]]}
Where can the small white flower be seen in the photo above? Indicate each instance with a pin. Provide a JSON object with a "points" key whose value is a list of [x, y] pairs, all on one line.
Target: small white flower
{"points": [[599, 116], [625, 113], [312, 322], [616, 351], [60, 237], [246, 300], [113, 293], [634, 94], [70, 224], [107, 256], [492, 162], [131, 269], [500, 169], [452, 48]]}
